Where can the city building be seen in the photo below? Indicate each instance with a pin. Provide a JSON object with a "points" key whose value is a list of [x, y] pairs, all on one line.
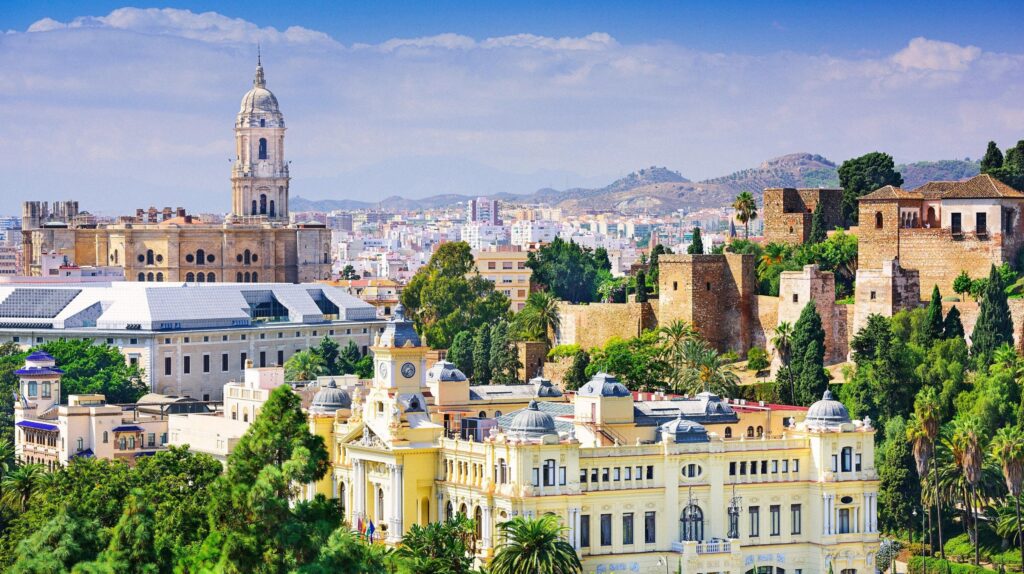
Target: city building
{"points": [[189, 339], [255, 244], [52, 433], [642, 483], [483, 210], [532, 231], [509, 273], [788, 212], [382, 293], [941, 229], [484, 235]]}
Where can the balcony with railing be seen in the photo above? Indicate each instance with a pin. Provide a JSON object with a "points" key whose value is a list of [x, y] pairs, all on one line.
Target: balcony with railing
{"points": [[693, 547]]}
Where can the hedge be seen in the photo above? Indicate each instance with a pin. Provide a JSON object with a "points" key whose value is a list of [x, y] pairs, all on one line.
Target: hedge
{"points": [[938, 566]]}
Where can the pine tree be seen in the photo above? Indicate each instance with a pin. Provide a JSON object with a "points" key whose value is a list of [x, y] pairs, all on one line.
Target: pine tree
{"points": [[504, 360], [994, 326], [952, 327], [818, 231], [131, 547], [993, 159], [350, 357], [808, 362], [328, 351], [933, 317], [482, 356], [641, 286], [697, 246], [460, 353]]}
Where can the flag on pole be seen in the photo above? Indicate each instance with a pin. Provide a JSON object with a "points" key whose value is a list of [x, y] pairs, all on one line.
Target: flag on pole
{"points": [[359, 525], [370, 530]]}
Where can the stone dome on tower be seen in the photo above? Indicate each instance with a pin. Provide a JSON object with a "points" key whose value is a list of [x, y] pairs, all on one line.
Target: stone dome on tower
{"points": [[259, 102]]}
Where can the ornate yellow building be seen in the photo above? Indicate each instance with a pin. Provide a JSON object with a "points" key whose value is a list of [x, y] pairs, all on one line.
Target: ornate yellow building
{"points": [[716, 486], [255, 244]]}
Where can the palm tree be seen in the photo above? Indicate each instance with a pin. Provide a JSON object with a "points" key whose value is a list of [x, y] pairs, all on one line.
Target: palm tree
{"points": [[674, 336], [1008, 449], [926, 409], [706, 371], [923, 451], [746, 211], [782, 340], [17, 486], [303, 366], [968, 452], [535, 546], [7, 457], [539, 316]]}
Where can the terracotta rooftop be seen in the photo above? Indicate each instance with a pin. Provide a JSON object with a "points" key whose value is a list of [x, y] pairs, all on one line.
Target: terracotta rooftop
{"points": [[981, 186]]}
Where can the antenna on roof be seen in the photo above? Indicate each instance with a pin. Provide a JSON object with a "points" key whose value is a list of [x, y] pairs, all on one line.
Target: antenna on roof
{"points": [[259, 55]]}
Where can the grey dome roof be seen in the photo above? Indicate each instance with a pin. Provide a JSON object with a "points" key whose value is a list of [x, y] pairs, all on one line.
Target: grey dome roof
{"points": [[545, 388], [259, 100], [400, 332], [714, 405], [827, 412], [682, 430], [532, 422], [603, 385], [445, 372], [330, 398]]}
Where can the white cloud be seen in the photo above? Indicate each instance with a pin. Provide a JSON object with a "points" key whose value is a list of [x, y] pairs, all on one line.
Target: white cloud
{"points": [[138, 105], [925, 54]]}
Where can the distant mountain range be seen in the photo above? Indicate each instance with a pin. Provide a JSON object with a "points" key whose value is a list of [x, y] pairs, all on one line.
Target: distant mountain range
{"points": [[659, 190]]}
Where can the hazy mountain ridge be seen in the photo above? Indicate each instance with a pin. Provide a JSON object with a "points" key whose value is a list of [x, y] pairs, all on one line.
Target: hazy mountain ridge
{"points": [[659, 190]]}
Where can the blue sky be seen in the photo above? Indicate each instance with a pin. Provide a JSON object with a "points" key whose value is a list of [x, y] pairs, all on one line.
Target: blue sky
{"points": [[127, 107]]}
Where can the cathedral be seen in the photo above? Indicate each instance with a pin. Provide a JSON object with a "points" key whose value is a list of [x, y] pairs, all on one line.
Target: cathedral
{"points": [[256, 242]]}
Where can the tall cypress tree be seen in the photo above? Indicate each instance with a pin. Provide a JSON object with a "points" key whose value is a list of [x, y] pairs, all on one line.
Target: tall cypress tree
{"points": [[808, 362], [460, 353], [933, 317], [994, 326], [818, 231], [504, 359], [952, 326], [641, 286], [482, 355], [993, 159], [697, 246], [328, 351]]}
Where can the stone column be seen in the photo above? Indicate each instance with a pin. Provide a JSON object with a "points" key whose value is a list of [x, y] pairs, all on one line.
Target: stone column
{"points": [[824, 514], [399, 486], [485, 528], [440, 507], [359, 490]]}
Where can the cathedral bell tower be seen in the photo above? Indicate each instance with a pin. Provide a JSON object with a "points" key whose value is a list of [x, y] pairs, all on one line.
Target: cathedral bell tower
{"points": [[259, 177]]}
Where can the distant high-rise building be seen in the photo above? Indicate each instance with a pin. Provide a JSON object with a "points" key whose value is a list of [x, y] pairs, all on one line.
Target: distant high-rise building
{"points": [[483, 210]]}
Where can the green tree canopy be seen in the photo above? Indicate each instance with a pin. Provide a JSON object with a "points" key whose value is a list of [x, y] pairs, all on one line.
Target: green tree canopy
{"points": [[808, 357], [994, 326], [696, 246], [447, 296], [862, 175], [482, 355], [568, 270], [460, 353]]}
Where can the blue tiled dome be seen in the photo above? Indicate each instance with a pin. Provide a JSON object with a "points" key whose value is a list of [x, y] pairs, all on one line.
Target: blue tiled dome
{"points": [[603, 385], [532, 422]]}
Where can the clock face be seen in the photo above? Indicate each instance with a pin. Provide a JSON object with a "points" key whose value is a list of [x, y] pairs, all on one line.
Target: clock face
{"points": [[382, 370], [408, 370]]}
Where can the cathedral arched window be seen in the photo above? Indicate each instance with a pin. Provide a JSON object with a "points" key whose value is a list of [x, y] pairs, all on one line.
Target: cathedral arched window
{"points": [[247, 256], [255, 277], [201, 278], [149, 276], [254, 207], [691, 523], [200, 257], [149, 257], [142, 276], [190, 277], [273, 210], [248, 277], [263, 148], [159, 277], [263, 204], [238, 277]]}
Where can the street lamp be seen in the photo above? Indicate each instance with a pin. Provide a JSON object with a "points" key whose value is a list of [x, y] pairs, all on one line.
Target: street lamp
{"points": [[735, 507]]}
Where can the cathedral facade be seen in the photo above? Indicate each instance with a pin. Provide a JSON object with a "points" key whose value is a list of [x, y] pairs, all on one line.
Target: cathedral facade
{"points": [[256, 242]]}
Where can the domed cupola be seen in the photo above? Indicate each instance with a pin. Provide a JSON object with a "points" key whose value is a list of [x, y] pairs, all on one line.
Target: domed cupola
{"points": [[259, 102], [445, 372], [399, 332], [330, 398], [828, 412], [682, 430], [532, 422], [603, 385], [545, 389]]}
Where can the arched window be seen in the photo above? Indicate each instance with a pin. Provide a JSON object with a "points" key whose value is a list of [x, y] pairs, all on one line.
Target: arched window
{"points": [[728, 432], [255, 277], [847, 459], [478, 518], [149, 276], [760, 431], [931, 217], [497, 414], [201, 277], [247, 257], [210, 277], [200, 257], [750, 432], [238, 277], [273, 209], [263, 204], [248, 277], [190, 277], [502, 471], [142, 276], [691, 523], [878, 220], [263, 148], [160, 277], [464, 510], [482, 414], [149, 257], [254, 212], [245, 414]]}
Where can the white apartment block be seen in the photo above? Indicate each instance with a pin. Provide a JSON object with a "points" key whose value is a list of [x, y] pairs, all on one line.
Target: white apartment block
{"points": [[526, 232]]}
